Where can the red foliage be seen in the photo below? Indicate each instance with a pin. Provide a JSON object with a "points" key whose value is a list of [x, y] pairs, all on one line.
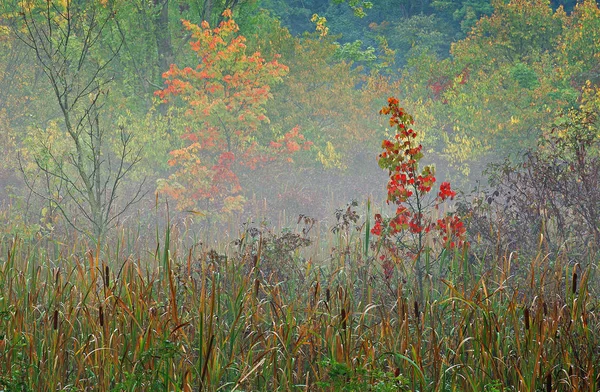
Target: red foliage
{"points": [[408, 188], [445, 191], [440, 84]]}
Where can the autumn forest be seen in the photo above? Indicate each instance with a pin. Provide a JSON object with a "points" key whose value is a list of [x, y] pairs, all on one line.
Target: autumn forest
{"points": [[336, 195]]}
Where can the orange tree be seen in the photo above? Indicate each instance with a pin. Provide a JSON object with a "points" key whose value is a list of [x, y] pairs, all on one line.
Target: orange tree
{"points": [[224, 105], [409, 234]]}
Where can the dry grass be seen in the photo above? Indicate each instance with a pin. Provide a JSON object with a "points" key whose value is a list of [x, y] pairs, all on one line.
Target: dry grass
{"points": [[251, 318]]}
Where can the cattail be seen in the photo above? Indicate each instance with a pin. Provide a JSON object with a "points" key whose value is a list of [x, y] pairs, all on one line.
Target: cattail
{"points": [[549, 382], [417, 313], [185, 383], [55, 320], [327, 295], [210, 345], [545, 308], [106, 276], [256, 287], [344, 319], [101, 315], [527, 318], [574, 285], [397, 372]]}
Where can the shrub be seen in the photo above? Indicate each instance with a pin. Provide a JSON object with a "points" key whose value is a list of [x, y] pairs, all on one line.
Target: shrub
{"points": [[418, 222]]}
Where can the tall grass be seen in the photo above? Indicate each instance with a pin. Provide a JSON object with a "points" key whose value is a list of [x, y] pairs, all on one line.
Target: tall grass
{"points": [[268, 313]]}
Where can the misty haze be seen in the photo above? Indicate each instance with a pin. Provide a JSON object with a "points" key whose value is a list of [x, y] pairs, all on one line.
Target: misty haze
{"points": [[318, 195]]}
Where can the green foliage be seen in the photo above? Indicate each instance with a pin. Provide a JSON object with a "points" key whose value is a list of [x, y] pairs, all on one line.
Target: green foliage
{"points": [[343, 378], [417, 34], [504, 82], [358, 6], [333, 102], [580, 44], [525, 76], [353, 51], [466, 13]]}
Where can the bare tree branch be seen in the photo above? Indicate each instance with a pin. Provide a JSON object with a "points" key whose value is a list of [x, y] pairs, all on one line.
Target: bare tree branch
{"points": [[89, 173]]}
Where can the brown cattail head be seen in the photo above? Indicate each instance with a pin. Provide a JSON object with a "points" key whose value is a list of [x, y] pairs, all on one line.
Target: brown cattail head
{"points": [[417, 312], [574, 285], [106, 276], [256, 287], [327, 295], [549, 382], [55, 320], [526, 316], [397, 372], [344, 319], [101, 315]]}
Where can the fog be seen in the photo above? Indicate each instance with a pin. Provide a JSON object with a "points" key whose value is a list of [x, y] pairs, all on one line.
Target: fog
{"points": [[276, 195], [254, 114]]}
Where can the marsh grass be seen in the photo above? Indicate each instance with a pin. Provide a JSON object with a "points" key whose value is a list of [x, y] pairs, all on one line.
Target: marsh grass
{"points": [[268, 311]]}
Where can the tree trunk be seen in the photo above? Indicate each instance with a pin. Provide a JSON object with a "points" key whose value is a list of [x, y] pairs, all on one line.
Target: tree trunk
{"points": [[162, 34]]}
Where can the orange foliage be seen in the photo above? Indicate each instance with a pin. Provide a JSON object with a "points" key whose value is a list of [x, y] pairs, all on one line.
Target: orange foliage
{"points": [[224, 99]]}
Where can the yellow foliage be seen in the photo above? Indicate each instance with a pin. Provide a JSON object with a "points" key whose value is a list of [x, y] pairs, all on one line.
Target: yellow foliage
{"points": [[320, 25], [233, 204], [330, 158]]}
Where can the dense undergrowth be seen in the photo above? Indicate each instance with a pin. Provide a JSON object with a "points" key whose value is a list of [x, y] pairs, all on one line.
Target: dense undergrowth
{"points": [[503, 298], [303, 308]]}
